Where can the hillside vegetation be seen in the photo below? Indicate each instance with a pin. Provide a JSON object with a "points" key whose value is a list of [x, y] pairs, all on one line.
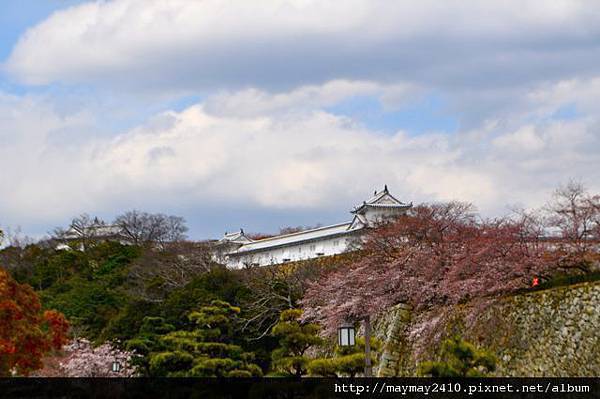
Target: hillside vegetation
{"points": [[154, 296]]}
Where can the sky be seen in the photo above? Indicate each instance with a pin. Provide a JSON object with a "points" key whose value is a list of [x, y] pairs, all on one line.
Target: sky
{"points": [[276, 113]]}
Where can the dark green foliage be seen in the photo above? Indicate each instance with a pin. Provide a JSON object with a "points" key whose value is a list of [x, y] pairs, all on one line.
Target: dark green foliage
{"points": [[207, 350], [323, 367], [88, 304], [101, 293], [155, 325], [127, 323], [219, 283], [460, 358], [148, 340], [568, 279], [90, 287], [174, 364], [348, 361], [295, 338]]}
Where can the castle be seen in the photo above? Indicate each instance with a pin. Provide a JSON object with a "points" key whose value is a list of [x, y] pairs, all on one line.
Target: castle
{"points": [[237, 250]]}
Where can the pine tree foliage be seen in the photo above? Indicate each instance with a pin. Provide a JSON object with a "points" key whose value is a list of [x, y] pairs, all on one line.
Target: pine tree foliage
{"points": [[207, 350], [148, 341], [460, 358], [348, 361], [295, 338]]}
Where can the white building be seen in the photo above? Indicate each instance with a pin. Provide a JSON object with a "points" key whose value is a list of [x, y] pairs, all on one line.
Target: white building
{"points": [[237, 250], [96, 231]]}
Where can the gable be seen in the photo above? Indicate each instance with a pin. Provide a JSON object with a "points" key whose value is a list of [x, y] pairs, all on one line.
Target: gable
{"points": [[357, 223], [386, 199]]}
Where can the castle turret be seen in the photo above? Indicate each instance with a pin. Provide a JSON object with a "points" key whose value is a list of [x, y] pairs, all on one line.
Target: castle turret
{"points": [[382, 206]]}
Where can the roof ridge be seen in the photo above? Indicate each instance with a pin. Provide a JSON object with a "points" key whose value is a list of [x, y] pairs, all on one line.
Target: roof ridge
{"points": [[301, 232]]}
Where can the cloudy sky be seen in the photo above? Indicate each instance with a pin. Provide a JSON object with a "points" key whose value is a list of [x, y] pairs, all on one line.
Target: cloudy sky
{"points": [[270, 113]]}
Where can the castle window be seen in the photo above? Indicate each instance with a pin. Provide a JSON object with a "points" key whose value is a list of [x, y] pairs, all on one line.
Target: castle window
{"points": [[312, 247]]}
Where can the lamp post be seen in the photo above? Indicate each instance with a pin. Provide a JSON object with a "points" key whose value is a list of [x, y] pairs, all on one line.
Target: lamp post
{"points": [[347, 337]]}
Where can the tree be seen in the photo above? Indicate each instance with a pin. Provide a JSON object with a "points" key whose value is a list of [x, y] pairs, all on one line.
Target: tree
{"points": [[348, 361], [83, 360], [148, 341], [26, 333], [84, 229], [15, 238], [21, 261], [460, 358], [207, 350], [295, 338], [87, 286], [574, 214], [159, 271], [143, 227], [274, 289], [437, 254]]}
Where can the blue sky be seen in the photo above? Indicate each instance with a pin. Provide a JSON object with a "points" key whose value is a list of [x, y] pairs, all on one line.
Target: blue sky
{"points": [[17, 16], [237, 114]]}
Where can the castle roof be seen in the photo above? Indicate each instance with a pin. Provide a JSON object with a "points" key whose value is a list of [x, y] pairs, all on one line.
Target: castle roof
{"points": [[296, 238], [383, 199], [236, 236]]}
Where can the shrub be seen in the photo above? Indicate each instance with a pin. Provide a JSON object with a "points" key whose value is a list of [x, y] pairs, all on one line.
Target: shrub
{"points": [[460, 358]]}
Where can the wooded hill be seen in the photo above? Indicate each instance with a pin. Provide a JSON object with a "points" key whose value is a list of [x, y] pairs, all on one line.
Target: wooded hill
{"points": [[176, 312]]}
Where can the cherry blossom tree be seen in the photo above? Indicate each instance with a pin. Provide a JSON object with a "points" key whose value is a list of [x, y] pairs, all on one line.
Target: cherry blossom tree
{"points": [[436, 254], [573, 215], [83, 360]]}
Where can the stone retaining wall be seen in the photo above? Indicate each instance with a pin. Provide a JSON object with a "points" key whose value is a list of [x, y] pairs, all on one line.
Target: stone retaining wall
{"points": [[554, 332]]}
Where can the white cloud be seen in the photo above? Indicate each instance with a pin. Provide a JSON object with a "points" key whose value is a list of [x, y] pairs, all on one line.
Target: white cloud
{"points": [[199, 45], [253, 102], [40, 158], [525, 139], [277, 153], [582, 93]]}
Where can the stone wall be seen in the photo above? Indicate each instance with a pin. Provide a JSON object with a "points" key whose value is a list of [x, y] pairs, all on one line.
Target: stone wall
{"points": [[554, 332]]}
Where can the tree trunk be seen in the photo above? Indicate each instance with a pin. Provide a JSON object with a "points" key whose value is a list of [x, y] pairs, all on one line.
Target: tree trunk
{"points": [[368, 367]]}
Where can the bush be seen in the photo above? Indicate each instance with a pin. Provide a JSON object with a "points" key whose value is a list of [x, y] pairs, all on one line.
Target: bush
{"points": [[460, 358], [349, 360], [209, 346], [295, 338], [167, 362]]}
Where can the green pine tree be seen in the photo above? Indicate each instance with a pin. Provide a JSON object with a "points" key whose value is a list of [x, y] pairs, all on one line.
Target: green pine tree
{"points": [[148, 341], [460, 358], [295, 338], [207, 350], [348, 361]]}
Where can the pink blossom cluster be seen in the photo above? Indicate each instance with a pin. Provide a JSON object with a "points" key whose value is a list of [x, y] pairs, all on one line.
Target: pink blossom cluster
{"points": [[106, 360], [438, 254]]}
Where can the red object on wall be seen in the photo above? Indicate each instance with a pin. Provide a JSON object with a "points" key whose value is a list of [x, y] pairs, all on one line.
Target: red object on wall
{"points": [[535, 282]]}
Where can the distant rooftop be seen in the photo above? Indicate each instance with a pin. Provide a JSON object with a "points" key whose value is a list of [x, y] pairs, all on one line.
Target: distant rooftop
{"points": [[383, 199]]}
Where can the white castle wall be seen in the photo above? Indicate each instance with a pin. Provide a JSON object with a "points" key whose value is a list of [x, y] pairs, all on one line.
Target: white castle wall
{"points": [[295, 252]]}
